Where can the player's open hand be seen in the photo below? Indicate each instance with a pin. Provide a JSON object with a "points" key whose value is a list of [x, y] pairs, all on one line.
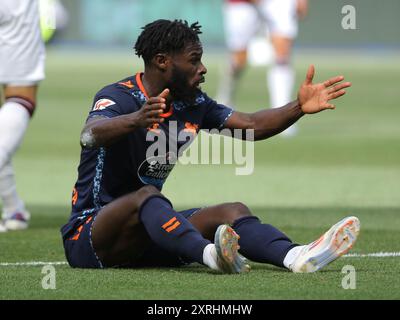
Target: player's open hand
{"points": [[152, 110], [315, 97]]}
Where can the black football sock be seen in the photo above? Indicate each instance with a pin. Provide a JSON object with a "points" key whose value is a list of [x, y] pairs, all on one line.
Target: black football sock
{"points": [[262, 242], [171, 230]]}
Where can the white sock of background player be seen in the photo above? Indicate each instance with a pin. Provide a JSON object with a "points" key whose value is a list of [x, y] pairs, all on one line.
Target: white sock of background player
{"points": [[11, 202], [14, 119], [280, 80], [228, 84]]}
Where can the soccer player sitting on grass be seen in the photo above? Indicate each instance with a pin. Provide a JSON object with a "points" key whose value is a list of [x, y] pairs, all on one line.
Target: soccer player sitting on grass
{"points": [[119, 216]]}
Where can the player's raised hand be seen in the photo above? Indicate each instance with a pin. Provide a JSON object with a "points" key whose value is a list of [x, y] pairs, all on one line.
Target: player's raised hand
{"points": [[315, 97], [152, 110]]}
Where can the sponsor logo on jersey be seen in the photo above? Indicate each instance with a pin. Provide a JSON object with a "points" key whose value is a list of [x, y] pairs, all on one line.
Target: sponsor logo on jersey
{"points": [[155, 170], [102, 104]]}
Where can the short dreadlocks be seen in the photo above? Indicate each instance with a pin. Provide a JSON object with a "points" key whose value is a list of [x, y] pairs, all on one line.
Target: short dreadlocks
{"points": [[165, 36]]}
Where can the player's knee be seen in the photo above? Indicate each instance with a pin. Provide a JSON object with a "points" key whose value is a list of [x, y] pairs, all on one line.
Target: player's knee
{"points": [[240, 209], [135, 201], [144, 193], [234, 211], [283, 60], [238, 67], [239, 61], [148, 190]]}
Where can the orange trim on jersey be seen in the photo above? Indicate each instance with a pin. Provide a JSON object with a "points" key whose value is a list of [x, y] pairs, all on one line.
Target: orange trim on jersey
{"points": [[173, 227], [141, 87], [140, 84], [127, 84], [74, 196], [169, 113], [167, 224]]}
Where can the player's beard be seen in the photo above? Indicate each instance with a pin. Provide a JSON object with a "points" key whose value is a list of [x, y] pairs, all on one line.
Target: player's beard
{"points": [[180, 87]]}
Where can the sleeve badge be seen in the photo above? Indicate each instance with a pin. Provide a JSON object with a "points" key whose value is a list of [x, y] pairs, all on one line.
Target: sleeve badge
{"points": [[102, 104]]}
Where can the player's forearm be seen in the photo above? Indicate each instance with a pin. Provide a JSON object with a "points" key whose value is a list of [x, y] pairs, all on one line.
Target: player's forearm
{"points": [[103, 132], [270, 122]]}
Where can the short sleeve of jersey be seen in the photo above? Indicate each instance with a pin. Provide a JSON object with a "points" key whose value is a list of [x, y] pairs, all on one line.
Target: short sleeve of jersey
{"points": [[113, 101], [216, 114]]}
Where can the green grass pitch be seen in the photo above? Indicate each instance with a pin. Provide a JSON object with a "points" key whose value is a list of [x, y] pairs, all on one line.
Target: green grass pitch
{"points": [[343, 162]]}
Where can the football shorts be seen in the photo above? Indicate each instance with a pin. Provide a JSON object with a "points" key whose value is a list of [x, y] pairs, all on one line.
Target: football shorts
{"points": [[22, 52]]}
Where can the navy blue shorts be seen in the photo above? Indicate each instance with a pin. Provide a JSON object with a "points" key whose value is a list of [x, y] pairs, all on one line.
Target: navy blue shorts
{"points": [[80, 253]]}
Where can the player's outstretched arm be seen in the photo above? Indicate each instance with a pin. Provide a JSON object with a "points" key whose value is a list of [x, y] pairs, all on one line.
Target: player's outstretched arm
{"points": [[103, 132], [311, 98]]}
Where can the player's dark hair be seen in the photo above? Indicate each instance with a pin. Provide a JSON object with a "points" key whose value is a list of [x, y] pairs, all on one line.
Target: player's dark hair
{"points": [[165, 36]]}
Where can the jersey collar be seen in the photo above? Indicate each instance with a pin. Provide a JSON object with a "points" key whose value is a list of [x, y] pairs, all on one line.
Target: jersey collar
{"points": [[142, 88]]}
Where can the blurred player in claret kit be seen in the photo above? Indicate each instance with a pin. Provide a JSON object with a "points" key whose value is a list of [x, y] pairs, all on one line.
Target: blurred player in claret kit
{"points": [[242, 20], [22, 57], [119, 216]]}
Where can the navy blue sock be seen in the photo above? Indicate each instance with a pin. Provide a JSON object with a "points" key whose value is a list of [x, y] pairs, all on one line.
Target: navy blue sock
{"points": [[262, 242], [170, 230]]}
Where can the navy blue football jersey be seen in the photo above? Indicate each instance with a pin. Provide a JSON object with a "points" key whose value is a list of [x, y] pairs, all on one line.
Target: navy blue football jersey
{"points": [[104, 174]]}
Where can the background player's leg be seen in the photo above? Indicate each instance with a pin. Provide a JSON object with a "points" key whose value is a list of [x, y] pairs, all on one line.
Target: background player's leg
{"points": [[281, 17], [231, 77], [240, 23], [13, 206], [14, 119], [280, 77], [258, 242], [124, 229]]}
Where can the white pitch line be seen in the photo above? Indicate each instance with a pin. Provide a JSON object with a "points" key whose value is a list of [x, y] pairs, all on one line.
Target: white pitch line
{"points": [[60, 263], [32, 263], [373, 255]]}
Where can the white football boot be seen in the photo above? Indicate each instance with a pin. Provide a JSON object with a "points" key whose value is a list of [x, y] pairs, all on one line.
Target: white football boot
{"points": [[17, 221], [334, 243], [226, 245]]}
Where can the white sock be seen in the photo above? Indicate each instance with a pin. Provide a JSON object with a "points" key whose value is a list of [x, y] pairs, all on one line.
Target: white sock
{"points": [[14, 120], [291, 256], [280, 79], [210, 256], [8, 192]]}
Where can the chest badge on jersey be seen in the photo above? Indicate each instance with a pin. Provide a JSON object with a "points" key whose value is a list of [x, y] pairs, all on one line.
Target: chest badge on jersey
{"points": [[102, 104]]}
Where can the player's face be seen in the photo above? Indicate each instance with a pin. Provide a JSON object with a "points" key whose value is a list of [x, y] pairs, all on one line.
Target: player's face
{"points": [[187, 72]]}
